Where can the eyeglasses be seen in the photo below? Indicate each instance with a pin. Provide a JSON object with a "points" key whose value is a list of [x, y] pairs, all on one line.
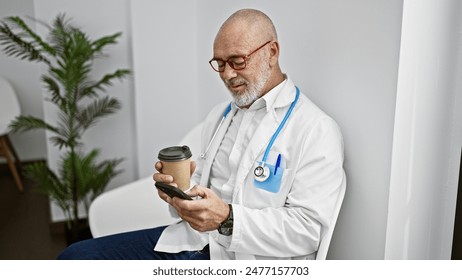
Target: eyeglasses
{"points": [[236, 62]]}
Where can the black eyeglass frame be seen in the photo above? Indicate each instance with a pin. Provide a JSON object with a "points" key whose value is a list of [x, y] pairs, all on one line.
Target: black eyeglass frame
{"points": [[230, 60]]}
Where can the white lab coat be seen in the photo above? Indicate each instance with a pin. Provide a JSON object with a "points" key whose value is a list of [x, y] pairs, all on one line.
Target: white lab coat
{"points": [[283, 225]]}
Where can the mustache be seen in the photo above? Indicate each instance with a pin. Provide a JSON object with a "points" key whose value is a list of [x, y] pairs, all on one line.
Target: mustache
{"points": [[235, 81]]}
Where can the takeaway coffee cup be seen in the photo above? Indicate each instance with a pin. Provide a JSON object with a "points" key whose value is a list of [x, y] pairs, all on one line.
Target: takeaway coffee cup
{"points": [[176, 161]]}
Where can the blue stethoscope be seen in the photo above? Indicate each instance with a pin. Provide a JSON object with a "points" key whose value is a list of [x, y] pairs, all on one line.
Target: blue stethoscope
{"points": [[261, 172]]}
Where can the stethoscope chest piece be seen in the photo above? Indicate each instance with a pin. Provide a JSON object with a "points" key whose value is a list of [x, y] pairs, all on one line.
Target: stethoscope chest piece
{"points": [[261, 173]]}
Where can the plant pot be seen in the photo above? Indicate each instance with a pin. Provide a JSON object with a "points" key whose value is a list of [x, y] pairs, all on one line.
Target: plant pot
{"points": [[78, 232]]}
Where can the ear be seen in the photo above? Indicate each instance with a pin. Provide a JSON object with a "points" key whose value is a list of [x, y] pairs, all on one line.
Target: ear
{"points": [[274, 53]]}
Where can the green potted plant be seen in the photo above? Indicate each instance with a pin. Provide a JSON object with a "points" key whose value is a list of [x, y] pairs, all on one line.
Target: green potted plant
{"points": [[68, 54]]}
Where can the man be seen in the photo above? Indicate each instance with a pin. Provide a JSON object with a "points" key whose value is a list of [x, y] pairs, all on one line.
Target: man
{"points": [[270, 177]]}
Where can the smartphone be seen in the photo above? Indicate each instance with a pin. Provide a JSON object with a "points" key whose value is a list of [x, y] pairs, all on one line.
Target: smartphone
{"points": [[172, 191]]}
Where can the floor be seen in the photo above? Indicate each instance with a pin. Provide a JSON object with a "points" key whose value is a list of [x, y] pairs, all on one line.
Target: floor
{"points": [[25, 230]]}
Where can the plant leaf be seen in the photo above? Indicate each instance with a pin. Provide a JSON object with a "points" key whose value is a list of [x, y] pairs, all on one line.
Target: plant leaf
{"points": [[99, 44], [26, 123], [59, 34], [92, 177], [16, 44], [49, 183], [106, 80], [37, 39], [96, 110], [55, 91]]}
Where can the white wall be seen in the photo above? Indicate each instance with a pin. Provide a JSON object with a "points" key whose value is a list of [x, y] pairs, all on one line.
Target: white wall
{"points": [[164, 54], [24, 76]]}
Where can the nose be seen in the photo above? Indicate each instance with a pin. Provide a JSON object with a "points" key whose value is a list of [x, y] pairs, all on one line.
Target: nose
{"points": [[228, 72]]}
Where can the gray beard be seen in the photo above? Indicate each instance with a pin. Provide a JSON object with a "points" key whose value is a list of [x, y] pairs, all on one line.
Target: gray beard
{"points": [[249, 96], [254, 91]]}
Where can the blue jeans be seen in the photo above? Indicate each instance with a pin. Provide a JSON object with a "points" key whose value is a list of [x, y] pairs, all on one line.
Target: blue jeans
{"points": [[135, 245]]}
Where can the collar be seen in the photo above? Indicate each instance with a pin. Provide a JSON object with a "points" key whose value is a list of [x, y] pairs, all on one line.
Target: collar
{"points": [[269, 98], [280, 96]]}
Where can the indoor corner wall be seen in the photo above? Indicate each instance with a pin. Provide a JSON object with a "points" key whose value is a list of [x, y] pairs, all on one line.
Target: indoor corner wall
{"points": [[427, 136]]}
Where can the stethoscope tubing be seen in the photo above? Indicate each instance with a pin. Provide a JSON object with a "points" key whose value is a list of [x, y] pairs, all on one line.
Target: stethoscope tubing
{"points": [[225, 114], [281, 125]]}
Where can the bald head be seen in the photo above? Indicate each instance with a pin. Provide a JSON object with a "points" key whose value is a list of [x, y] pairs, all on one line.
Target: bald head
{"points": [[250, 23]]}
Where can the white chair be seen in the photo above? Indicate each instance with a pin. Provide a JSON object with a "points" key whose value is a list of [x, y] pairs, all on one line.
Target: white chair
{"points": [[135, 205], [324, 243], [9, 110]]}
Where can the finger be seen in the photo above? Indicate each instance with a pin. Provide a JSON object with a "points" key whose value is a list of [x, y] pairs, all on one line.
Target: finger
{"points": [[164, 178], [189, 209], [181, 209], [158, 166], [164, 196], [198, 191]]}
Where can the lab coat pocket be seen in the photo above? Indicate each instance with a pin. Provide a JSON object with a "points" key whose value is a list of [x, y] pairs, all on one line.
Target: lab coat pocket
{"points": [[273, 182]]}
